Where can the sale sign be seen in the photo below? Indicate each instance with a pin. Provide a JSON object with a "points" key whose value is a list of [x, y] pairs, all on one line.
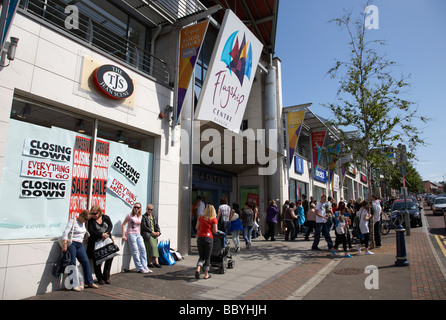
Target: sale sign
{"points": [[81, 173], [100, 174], [48, 150], [42, 188], [121, 191], [45, 169]]}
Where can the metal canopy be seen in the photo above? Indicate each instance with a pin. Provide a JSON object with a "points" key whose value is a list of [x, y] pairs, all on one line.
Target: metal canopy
{"points": [[165, 12], [260, 16], [313, 122]]}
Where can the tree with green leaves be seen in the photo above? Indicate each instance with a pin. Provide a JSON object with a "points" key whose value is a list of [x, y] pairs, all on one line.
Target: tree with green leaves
{"points": [[414, 182], [371, 112]]}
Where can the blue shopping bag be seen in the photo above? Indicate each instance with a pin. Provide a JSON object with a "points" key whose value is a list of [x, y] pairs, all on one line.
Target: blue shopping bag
{"points": [[165, 257]]}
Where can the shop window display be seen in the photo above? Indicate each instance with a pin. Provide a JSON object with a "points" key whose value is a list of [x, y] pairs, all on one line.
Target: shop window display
{"points": [[49, 158]]}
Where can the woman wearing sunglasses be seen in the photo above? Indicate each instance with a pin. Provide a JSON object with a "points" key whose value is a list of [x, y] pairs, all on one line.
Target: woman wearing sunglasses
{"points": [[100, 228], [150, 232], [134, 238]]}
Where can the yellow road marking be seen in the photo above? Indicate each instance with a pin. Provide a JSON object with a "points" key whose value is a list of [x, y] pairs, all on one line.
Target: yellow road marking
{"points": [[441, 244]]}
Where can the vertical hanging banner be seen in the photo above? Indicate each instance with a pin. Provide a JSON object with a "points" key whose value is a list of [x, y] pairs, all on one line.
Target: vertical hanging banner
{"points": [[80, 176], [191, 39], [100, 174], [317, 142], [8, 11], [295, 120], [332, 159], [230, 76]]}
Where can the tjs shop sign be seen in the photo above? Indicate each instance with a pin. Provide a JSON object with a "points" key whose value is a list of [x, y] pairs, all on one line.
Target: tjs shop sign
{"points": [[112, 81]]}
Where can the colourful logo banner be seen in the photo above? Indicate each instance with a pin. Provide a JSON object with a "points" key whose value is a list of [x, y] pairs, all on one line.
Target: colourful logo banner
{"points": [[295, 120], [230, 75], [317, 142], [191, 39]]}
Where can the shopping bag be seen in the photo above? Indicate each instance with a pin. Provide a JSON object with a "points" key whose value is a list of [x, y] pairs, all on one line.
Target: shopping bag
{"points": [[104, 250], [165, 257]]}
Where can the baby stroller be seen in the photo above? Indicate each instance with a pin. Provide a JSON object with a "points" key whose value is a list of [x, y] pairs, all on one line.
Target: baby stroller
{"points": [[221, 257]]}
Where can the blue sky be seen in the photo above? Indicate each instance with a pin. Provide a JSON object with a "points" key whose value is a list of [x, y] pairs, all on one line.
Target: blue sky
{"points": [[415, 31]]}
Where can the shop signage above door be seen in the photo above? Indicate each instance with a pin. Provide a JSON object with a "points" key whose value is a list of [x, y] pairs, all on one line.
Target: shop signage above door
{"points": [[298, 165], [363, 178], [113, 82], [320, 175]]}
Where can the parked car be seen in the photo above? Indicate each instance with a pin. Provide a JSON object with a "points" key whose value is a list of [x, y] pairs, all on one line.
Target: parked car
{"points": [[414, 211], [429, 200], [438, 205]]}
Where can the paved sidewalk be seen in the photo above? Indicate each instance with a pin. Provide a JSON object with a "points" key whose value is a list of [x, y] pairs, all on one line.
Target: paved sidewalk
{"points": [[287, 270]]}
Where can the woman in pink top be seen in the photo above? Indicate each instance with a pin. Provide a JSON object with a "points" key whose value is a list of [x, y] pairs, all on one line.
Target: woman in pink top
{"points": [[135, 240]]}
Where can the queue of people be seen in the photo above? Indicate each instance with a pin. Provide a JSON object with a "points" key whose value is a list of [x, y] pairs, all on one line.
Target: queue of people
{"points": [[141, 231], [92, 227], [320, 217]]}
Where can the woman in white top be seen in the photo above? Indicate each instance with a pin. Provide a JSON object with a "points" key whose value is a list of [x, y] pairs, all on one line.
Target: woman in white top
{"points": [[76, 229], [364, 217]]}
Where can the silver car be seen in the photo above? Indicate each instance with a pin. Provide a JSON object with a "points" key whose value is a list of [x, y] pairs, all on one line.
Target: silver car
{"points": [[438, 205]]}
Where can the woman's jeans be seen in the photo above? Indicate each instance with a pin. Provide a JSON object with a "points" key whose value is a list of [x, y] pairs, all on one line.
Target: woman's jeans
{"points": [[204, 245], [138, 250], [77, 250], [247, 233], [289, 235], [325, 229], [235, 238]]}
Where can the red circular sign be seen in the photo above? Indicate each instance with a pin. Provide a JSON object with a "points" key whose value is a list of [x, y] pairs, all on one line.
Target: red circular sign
{"points": [[113, 82]]}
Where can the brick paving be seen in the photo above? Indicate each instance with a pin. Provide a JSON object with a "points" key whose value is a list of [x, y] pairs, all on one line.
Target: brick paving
{"points": [[119, 293], [283, 286], [423, 277], [427, 280]]}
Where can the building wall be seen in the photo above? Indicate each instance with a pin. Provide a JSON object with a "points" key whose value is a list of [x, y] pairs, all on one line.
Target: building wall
{"points": [[48, 67]]}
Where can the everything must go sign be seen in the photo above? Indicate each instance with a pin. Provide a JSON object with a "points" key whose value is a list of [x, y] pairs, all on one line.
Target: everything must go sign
{"points": [[230, 75]]}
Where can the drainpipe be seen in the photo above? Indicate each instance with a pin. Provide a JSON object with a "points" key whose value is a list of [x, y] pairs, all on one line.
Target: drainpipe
{"points": [[273, 185]]}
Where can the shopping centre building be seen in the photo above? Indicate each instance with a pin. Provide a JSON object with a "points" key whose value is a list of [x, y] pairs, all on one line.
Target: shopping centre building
{"points": [[90, 115]]}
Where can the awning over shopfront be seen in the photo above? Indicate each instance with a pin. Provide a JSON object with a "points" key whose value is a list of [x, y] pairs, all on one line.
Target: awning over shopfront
{"points": [[234, 147], [260, 16], [314, 122]]}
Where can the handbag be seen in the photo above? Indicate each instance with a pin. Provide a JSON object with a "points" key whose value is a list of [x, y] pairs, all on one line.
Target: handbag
{"points": [[70, 237], [105, 250], [340, 229], [234, 216], [59, 266]]}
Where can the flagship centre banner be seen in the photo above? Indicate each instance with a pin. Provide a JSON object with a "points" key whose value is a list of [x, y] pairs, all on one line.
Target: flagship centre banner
{"points": [[295, 120], [230, 76]]}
